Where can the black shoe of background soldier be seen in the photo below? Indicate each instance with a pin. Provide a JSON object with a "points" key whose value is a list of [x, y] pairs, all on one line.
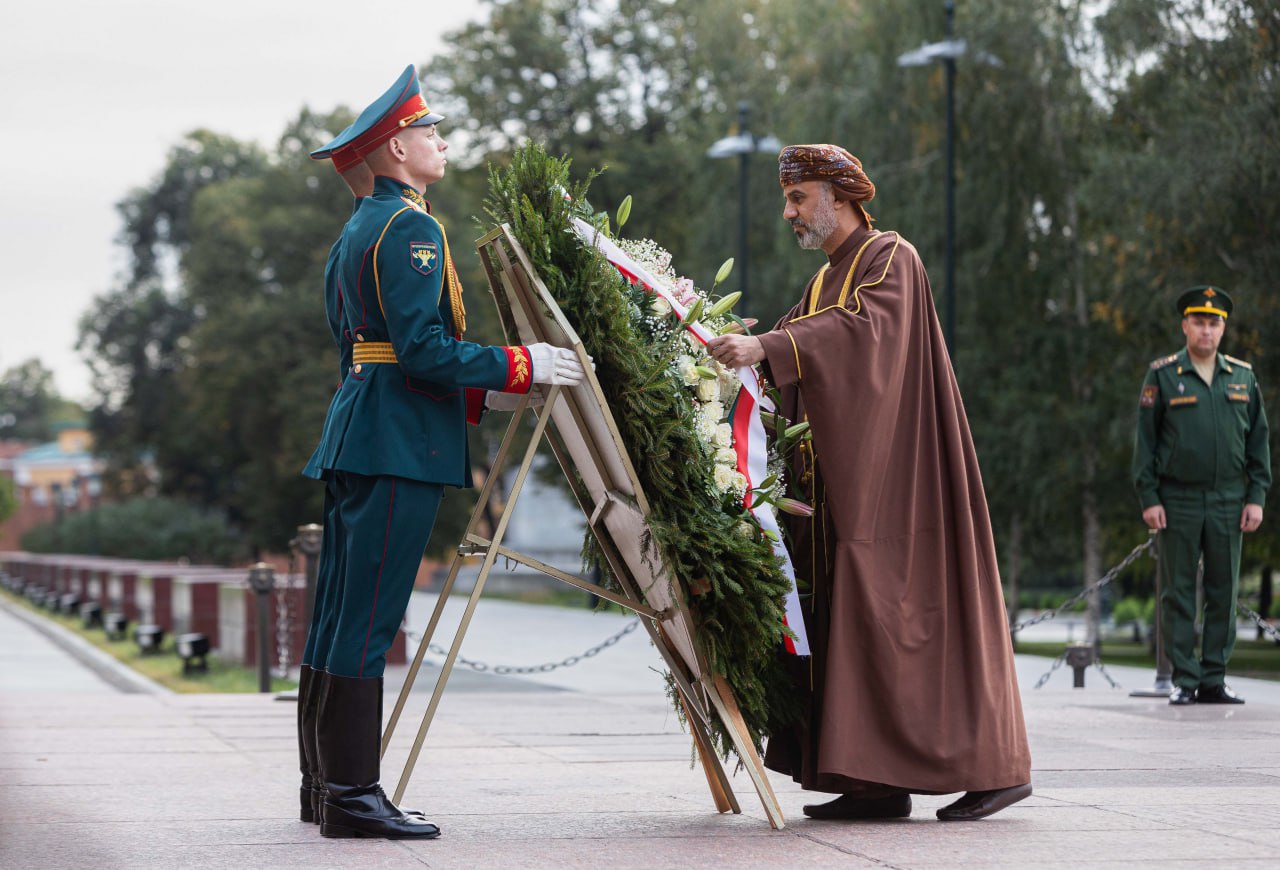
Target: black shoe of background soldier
{"points": [[1217, 695]]}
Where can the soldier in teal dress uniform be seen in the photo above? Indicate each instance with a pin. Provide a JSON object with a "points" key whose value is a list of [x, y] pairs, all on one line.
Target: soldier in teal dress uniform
{"points": [[1202, 468], [394, 437]]}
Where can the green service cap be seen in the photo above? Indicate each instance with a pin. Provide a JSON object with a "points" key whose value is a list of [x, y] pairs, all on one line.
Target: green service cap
{"points": [[401, 105], [1205, 300]]}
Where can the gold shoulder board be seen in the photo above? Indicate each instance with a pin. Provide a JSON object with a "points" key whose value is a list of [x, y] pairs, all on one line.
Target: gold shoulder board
{"points": [[1237, 362], [1163, 361]]}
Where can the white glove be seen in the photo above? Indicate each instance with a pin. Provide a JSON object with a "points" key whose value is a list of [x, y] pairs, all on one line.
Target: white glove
{"points": [[555, 365], [495, 401]]}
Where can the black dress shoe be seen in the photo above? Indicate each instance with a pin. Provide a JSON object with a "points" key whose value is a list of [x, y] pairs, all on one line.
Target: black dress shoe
{"points": [[372, 814], [851, 807], [1181, 697], [1217, 695], [980, 804]]}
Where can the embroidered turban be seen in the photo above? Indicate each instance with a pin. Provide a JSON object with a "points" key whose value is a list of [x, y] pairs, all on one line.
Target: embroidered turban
{"points": [[829, 163]]}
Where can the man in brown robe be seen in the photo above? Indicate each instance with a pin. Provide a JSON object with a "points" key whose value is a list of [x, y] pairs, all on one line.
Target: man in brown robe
{"points": [[912, 685]]}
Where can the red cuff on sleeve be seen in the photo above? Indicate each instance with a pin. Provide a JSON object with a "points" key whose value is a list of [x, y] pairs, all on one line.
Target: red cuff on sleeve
{"points": [[519, 370], [475, 404]]}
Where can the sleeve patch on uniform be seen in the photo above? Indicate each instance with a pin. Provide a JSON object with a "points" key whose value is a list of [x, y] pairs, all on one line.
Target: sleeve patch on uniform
{"points": [[1179, 401], [1148, 399], [424, 256], [1238, 397], [519, 370]]}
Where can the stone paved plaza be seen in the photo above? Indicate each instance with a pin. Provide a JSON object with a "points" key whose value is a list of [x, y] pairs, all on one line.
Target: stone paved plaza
{"points": [[588, 767]]}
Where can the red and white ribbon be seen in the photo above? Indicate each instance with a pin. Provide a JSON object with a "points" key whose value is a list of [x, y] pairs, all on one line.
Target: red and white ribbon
{"points": [[749, 440]]}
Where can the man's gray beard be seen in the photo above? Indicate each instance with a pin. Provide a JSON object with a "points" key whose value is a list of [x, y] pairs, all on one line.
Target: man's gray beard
{"points": [[824, 223]]}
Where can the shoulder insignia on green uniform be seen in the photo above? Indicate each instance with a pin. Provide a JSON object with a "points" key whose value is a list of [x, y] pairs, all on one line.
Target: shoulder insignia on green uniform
{"points": [[1238, 362], [1163, 361], [424, 257]]}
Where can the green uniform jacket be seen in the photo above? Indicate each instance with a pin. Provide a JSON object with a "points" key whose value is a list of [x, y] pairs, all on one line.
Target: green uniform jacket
{"points": [[386, 289], [1201, 436]]}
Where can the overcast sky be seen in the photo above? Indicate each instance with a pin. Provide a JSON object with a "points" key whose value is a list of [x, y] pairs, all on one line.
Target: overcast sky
{"points": [[95, 93]]}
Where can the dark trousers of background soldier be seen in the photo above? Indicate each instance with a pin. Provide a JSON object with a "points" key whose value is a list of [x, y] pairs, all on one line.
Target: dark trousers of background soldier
{"points": [[1199, 522]]}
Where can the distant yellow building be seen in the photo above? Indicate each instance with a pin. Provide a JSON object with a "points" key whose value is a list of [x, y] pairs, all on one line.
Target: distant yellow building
{"points": [[50, 478], [61, 468]]}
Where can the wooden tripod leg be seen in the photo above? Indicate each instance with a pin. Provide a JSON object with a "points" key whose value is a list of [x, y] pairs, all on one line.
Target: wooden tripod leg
{"points": [[717, 779], [495, 472], [727, 706], [491, 553]]}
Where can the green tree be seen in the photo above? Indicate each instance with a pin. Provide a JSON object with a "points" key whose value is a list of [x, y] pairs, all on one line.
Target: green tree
{"points": [[218, 371], [30, 407], [8, 498], [1186, 188]]}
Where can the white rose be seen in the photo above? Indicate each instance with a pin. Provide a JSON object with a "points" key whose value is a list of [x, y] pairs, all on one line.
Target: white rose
{"points": [[729, 385], [739, 482], [706, 430], [708, 390], [713, 410], [726, 456], [724, 477], [685, 366], [723, 436], [746, 530], [660, 306]]}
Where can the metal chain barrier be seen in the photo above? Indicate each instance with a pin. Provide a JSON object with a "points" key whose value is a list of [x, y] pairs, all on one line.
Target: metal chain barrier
{"points": [[1057, 663], [284, 612], [1080, 596], [1102, 669], [1267, 628], [530, 669]]}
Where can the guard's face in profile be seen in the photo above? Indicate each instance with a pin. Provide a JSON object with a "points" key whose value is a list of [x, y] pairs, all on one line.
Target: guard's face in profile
{"points": [[426, 150]]}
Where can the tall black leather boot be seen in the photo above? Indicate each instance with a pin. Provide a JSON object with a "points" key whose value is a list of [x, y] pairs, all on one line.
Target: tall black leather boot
{"points": [[348, 738], [307, 698]]}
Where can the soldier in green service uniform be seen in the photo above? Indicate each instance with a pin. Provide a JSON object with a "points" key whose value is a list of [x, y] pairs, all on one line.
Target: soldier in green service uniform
{"points": [[1202, 467]]}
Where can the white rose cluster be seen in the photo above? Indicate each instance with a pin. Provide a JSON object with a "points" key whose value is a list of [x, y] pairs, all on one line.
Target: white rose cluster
{"points": [[711, 387]]}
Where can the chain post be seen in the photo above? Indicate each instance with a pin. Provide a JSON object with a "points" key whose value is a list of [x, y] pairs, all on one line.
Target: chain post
{"points": [[1164, 668], [262, 579], [310, 538]]}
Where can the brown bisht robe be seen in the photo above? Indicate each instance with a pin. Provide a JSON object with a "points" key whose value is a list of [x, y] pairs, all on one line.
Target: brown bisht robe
{"points": [[912, 676]]}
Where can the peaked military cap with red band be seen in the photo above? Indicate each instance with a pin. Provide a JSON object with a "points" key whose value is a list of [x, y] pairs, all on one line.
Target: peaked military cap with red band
{"points": [[1205, 300], [401, 105]]}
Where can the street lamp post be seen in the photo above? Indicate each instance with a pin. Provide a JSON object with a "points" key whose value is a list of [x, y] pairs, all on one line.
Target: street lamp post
{"points": [[947, 51], [743, 145], [94, 489]]}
